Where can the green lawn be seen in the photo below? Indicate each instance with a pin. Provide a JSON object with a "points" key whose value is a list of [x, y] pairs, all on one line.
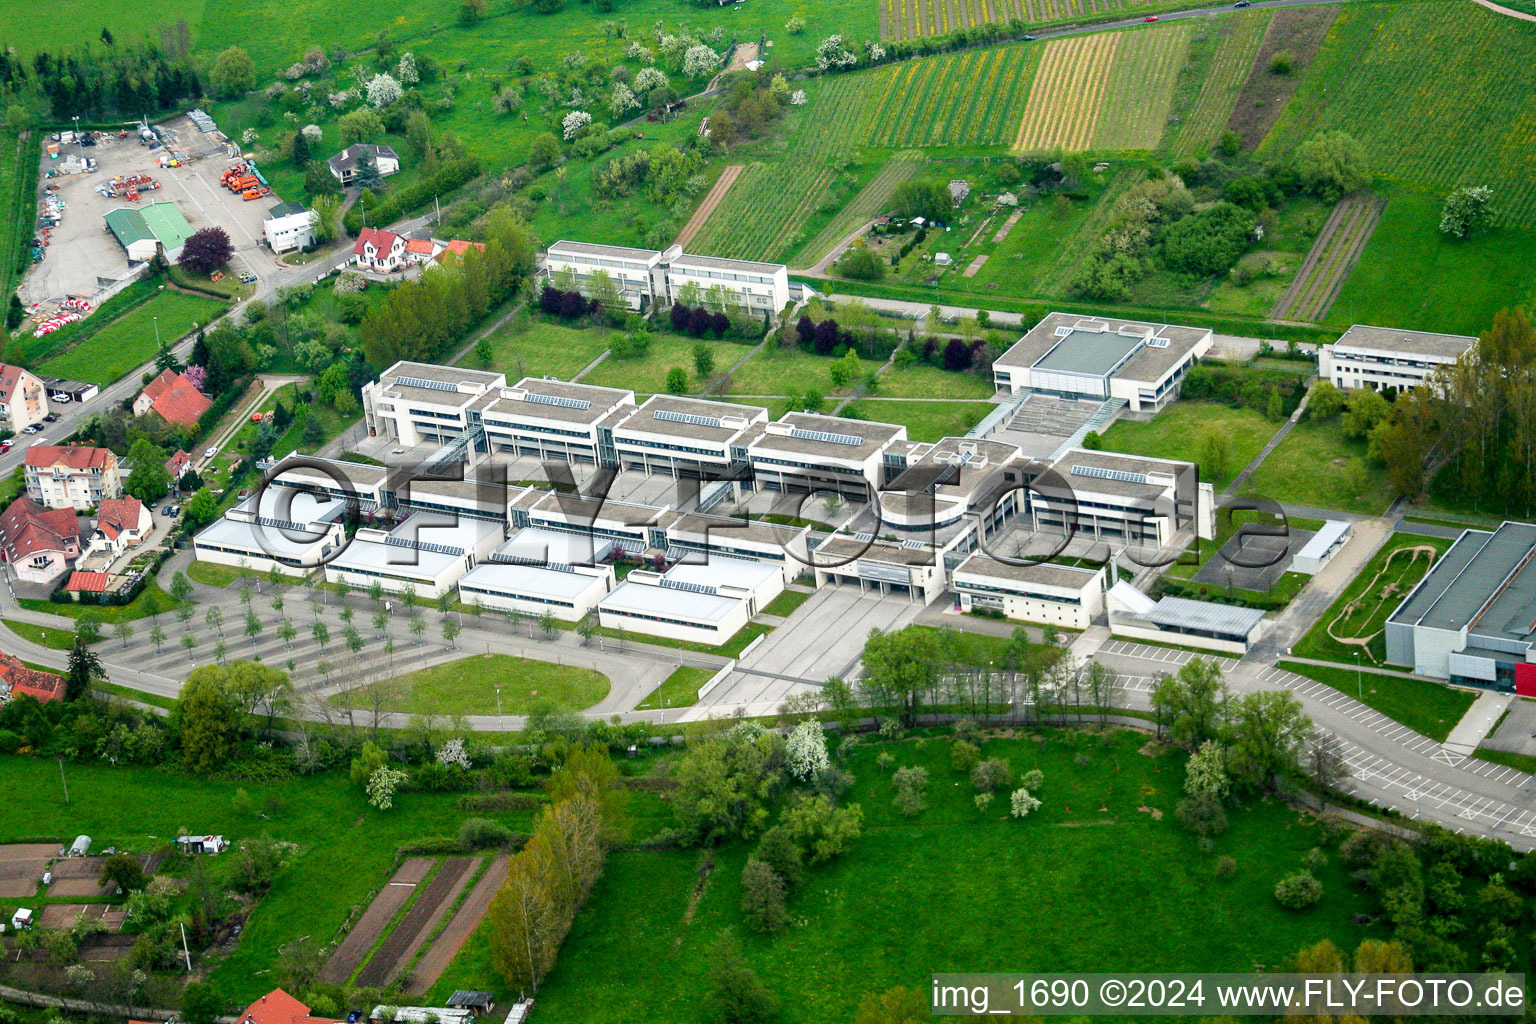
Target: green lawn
{"points": [[1030, 893], [1376, 594], [469, 686], [786, 603], [1427, 708], [919, 381], [150, 601], [1315, 465], [45, 636], [678, 690], [1179, 432], [219, 575], [648, 374], [103, 353], [925, 421], [532, 347], [1522, 762], [786, 371], [1411, 273]]}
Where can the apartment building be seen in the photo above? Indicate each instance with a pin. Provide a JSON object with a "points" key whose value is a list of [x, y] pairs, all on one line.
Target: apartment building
{"points": [[646, 277], [73, 476], [23, 399], [1383, 357], [416, 403]]}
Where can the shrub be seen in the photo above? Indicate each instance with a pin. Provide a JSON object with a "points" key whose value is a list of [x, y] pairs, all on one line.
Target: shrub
{"points": [[1226, 867], [1298, 891], [762, 897], [911, 787], [963, 755], [484, 834], [991, 775], [1033, 779], [1021, 804]]}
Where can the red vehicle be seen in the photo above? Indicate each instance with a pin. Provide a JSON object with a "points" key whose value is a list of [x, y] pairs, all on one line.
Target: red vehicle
{"points": [[1150, 17]]}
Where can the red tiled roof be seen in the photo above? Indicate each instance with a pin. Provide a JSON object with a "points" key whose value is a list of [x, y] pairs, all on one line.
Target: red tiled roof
{"points": [[75, 456], [28, 528], [382, 240], [87, 582], [458, 247], [422, 246], [278, 1007], [121, 513], [176, 399], [10, 376], [177, 465], [44, 686]]}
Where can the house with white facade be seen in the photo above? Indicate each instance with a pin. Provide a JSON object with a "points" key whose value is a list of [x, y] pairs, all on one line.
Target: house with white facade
{"points": [[646, 277], [1041, 592], [343, 165], [72, 476], [378, 250], [23, 399]]}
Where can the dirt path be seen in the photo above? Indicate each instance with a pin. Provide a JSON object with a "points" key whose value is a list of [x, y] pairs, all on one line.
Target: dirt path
{"points": [[1508, 13], [460, 927], [721, 187], [379, 913]]}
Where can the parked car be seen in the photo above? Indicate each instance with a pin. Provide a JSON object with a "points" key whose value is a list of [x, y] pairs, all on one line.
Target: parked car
{"points": [[167, 510], [211, 452], [175, 511], [36, 428], [5, 446], [52, 417]]}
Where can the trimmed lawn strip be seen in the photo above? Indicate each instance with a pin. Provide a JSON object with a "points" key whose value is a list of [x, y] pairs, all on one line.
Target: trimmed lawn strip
{"points": [[918, 381], [51, 637], [786, 603], [1429, 709], [150, 601], [678, 690], [530, 346], [117, 347], [129, 693], [1509, 759], [925, 421], [215, 575]]}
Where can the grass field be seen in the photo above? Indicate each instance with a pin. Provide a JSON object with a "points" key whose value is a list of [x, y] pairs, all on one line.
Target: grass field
{"points": [[1404, 78], [1375, 592], [150, 600], [469, 686], [786, 603], [1236, 39], [925, 421], [678, 690], [532, 347], [855, 920], [46, 636], [780, 371], [919, 381], [1178, 432], [1429, 709], [1509, 759], [1411, 273], [100, 353], [668, 351], [1316, 465]]}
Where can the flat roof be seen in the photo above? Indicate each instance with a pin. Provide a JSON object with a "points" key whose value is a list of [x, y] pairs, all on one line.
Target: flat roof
{"points": [[691, 417], [1393, 339], [1091, 352], [1100, 462], [718, 263], [1040, 345], [719, 571], [551, 546], [869, 435], [1183, 613], [725, 530], [294, 505], [1045, 574], [622, 252], [1319, 543], [356, 473], [444, 374], [1488, 572], [260, 540], [533, 580], [669, 602], [426, 532], [876, 551]]}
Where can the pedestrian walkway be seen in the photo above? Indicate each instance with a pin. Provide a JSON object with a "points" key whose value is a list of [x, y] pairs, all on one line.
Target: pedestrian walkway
{"points": [[1478, 722], [1274, 442]]}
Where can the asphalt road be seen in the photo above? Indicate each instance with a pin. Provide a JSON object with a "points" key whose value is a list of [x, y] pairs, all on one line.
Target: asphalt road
{"points": [[1198, 12]]}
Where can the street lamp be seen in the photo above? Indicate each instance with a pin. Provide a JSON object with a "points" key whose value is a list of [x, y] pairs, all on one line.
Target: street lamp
{"points": [[156, 319], [502, 722], [1359, 685]]}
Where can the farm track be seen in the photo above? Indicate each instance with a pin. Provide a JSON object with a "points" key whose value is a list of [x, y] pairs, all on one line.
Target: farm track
{"points": [[1240, 39], [868, 203], [711, 200], [1330, 260], [414, 927], [365, 932], [461, 926]]}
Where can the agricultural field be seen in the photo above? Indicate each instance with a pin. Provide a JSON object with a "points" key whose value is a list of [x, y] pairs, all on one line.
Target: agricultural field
{"points": [[1317, 466], [1298, 31], [958, 99], [1437, 101], [1234, 41], [1103, 795], [1139, 92], [711, 200], [1178, 432], [1333, 256], [870, 201], [912, 19], [1354, 622], [1412, 273]]}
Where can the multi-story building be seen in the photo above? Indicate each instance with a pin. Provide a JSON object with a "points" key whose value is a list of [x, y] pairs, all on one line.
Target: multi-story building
{"points": [[23, 399], [1121, 499], [804, 451], [1099, 358], [416, 403], [687, 437], [553, 420], [40, 544], [1061, 595], [646, 277], [73, 476], [1383, 357]]}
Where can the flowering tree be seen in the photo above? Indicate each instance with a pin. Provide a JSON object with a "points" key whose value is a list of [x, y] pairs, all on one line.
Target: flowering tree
{"points": [[248, 137], [833, 55], [1206, 772], [647, 79], [312, 132], [197, 376], [634, 51], [453, 755], [700, 60], [340, 99], [1021, 803], [406, 69], [382, 785], [1467, 211], [620, 99], [805, 755], [797, 98], [875, 51], [573, 123], [382, 91]]}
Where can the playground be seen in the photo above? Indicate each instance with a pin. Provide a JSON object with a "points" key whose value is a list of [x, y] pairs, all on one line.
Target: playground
{"points": [[1356, 623]]}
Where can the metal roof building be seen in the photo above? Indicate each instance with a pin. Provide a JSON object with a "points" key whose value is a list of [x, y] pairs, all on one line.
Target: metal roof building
{"points": [[1472, 618], [140, 230]]}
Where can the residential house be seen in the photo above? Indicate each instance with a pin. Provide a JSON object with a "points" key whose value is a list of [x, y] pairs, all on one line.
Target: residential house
{"points": [[278, 1007], [121, 523], [288, 226], [23, 399], [177, 465], [344, 164], [455, 248], [18, 680], [202, 844], [72, 476], [174, 397], [379, 250], [40, 544], [422, 250]]}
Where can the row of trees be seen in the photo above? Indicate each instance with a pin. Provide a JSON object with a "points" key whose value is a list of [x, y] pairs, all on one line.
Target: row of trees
{"points": [[96, 80]]}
